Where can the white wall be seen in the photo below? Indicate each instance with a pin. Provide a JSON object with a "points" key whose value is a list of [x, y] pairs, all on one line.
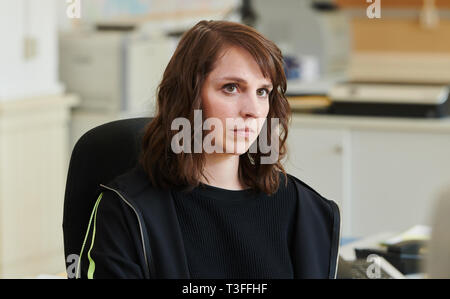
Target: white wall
{"points": [[20, 78]]}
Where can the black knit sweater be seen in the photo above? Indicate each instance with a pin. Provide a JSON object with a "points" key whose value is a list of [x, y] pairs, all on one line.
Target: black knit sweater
{"points": [[237, 233]]}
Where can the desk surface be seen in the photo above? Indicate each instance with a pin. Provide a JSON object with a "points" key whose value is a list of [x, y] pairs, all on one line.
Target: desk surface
{"points": [[347, 251], [438, 125]]}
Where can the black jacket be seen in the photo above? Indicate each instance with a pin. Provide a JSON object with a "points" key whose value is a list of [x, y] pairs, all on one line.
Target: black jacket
{"points": [[141, 237]]}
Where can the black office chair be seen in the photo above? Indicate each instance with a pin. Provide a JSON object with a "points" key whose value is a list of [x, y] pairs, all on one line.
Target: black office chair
{"points": [[99, 155]]}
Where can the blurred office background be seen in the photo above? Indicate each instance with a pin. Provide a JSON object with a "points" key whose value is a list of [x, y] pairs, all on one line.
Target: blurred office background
{"points": [[68, 66]]}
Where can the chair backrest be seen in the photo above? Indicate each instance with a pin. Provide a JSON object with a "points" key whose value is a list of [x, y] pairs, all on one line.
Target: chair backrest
{"points": [[99, 156]]}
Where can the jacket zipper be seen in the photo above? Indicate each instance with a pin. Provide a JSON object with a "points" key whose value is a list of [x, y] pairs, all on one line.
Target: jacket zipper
{"points": [[140, 227]]}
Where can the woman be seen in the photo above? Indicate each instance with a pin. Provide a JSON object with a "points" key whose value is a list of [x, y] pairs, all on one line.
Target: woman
{"points": [[210, 198]]}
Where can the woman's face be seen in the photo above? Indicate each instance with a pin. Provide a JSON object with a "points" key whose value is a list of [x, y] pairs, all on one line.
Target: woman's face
{"points": [[236, 90]]}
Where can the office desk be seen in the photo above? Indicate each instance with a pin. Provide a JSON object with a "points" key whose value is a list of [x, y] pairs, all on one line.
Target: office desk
{"points": [[347, 251]]}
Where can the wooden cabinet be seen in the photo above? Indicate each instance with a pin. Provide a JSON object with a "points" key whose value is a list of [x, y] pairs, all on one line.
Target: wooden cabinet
{"points": [[34, 139], [383, 173], [396, 177]]}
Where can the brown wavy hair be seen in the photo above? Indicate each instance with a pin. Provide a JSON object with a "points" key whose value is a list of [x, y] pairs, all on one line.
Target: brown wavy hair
{"points": [[178, 95]]}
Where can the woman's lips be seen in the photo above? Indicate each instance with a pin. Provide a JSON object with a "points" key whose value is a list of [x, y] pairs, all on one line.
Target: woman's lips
{"points": [[244, 132]]}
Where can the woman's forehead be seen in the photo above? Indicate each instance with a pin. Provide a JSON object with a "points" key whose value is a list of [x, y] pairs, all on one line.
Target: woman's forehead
{"points": [[237, 63]]}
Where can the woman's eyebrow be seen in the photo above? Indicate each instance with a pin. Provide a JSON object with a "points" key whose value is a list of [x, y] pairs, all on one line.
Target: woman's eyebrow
{"points": [[237, 79]]}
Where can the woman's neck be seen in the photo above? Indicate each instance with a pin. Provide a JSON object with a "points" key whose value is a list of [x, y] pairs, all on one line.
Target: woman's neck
{"points": [[222, 170]]}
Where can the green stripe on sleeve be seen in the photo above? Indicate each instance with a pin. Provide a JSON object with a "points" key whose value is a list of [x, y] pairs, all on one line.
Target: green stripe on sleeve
{"points": [[91, 268], [94, 213]]}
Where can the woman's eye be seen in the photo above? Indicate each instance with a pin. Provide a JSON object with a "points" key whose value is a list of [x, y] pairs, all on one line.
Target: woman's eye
{"points": [[230, 88], [262, 92]]}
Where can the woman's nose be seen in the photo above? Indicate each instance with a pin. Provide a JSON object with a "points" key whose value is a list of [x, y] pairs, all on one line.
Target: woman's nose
{"points": [[251, 105]]}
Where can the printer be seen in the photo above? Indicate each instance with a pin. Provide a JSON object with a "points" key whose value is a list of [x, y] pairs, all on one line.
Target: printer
{"points": [[390, 99], [113, 71]]}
